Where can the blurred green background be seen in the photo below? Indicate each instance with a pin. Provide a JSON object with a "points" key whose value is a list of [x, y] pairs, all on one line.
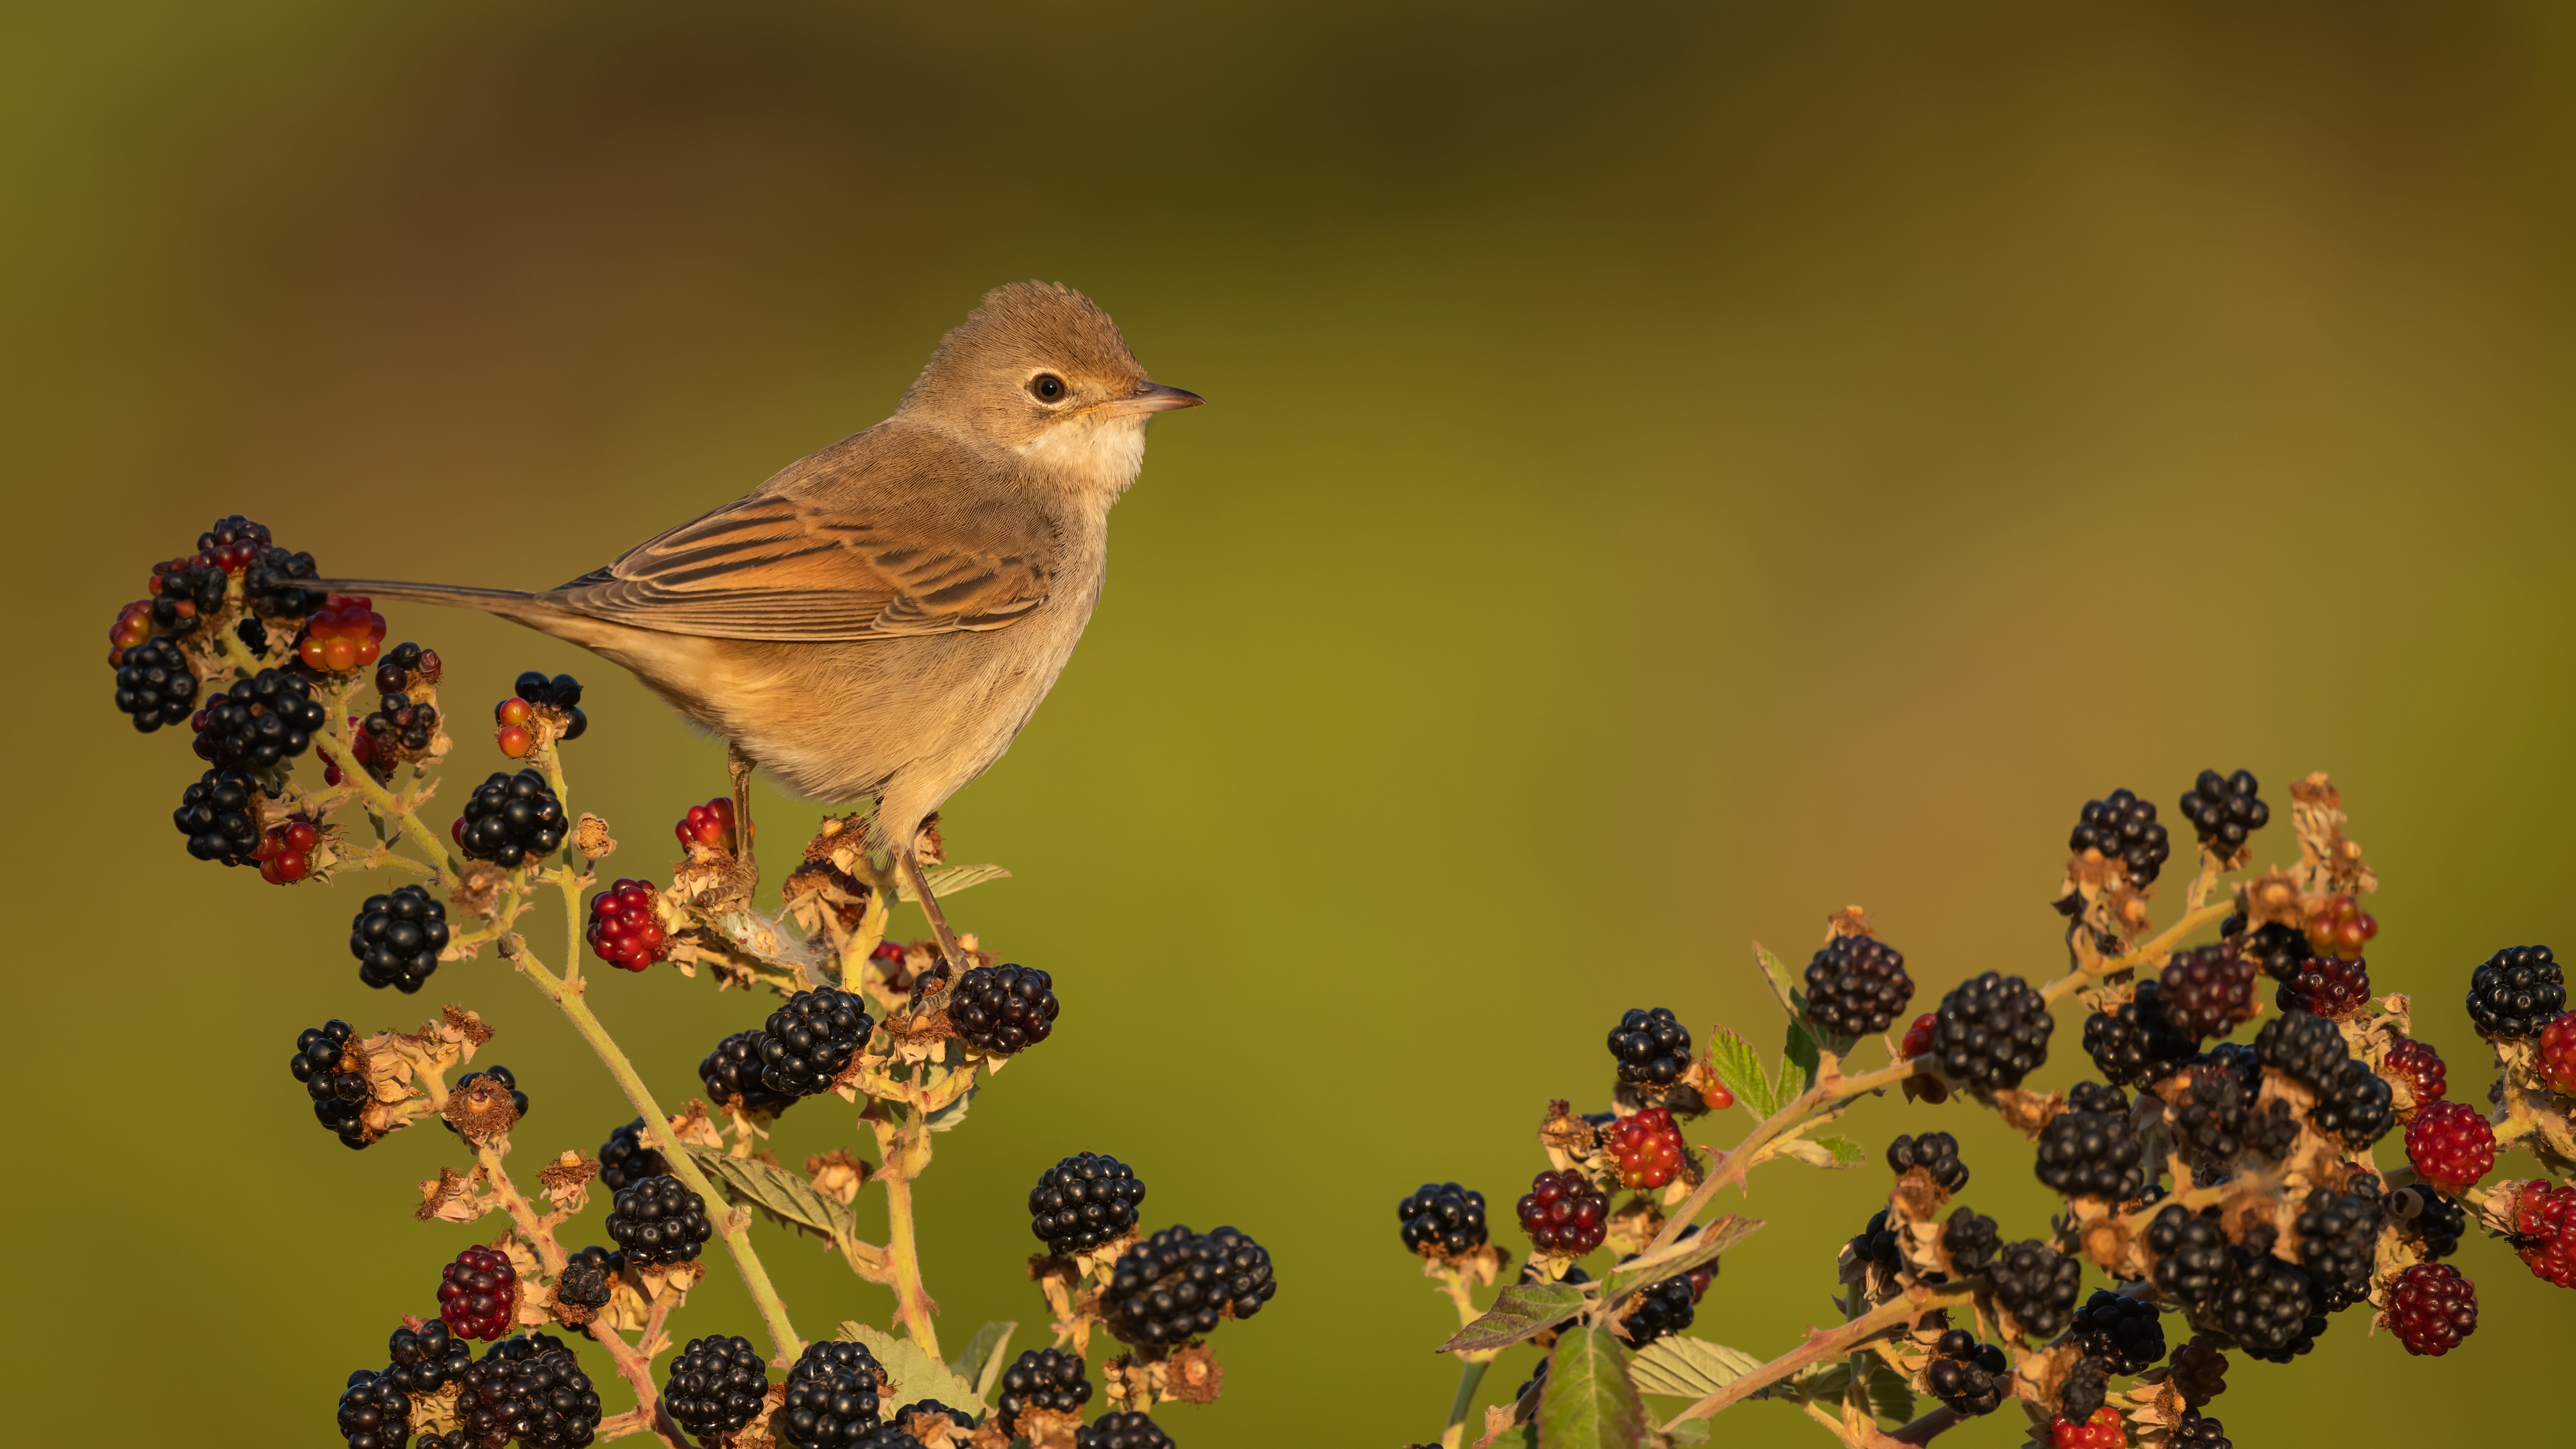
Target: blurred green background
{"points": [[1671, 471]]}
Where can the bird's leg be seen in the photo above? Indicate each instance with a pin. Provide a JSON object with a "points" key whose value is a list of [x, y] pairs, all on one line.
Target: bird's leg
{"points": [[741, 766], [948, 952]]}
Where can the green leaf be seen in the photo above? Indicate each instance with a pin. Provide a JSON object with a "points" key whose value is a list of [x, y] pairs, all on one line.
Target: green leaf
{"points": [[949, 1116], [915, 1373], [1520, 1311], [783, 1195], [1688, 1431], [1847, 1153], [1739, 1066], [1798, 1063], [981, 1361], [1680, 1257], [1827, 1152], [1890, 1396], [1688, 1368], [1783, 985], [1589, 1403], [948, 880]]}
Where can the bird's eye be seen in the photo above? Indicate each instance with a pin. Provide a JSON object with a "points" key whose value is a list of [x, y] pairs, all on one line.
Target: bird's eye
{"points": [[1046, 387]]}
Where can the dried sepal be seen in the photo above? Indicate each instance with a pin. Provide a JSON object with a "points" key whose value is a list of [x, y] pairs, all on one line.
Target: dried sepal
{"points": [[2107, 1239], [2025, 1111], [2332, 861], [1569, 1139], [2154, 1407], [837, 1175], [1040, 1428], [1128, 1384], [482, 1112], [1849, 921], [1632, 1225], [1482, 1265], [590, 836], [2039, 1378], [478, 889], [450, 1197], [566, 1181], [1192, 1376]]}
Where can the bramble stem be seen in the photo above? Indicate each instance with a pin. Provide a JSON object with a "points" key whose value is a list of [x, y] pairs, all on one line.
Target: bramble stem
{"points": [[2144, 955], [1470, 1374], [336, 735], [737, 1235], [540, 1238], [1740, 1160], [1822, 1346], [903, 1250]]}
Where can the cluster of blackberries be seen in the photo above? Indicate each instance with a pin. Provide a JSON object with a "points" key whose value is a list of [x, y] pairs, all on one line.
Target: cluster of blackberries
{"points": [[395, 670], [658, 1220], [154, 685], [1990, 1032], [427, 1359], [339, 1090], [560, 694], [588, 1277], [1936, 1153], [2191, 1254], [2123, 1333], [185, 593], [2138, 1043], [1965, 1375], [1441, 1219], [2268, 1306], [2037, 1285], [715, 1386], [1664, 1308], [511, 818], [260, 722], [832, 1397], [398, 723], [1003, 1009], [216, 815], [2353, 1102], [2090, 1150], [811, 1039], [1970, 1240], [2338, 1237], [2123, 828], [1129, 1429], [2224, 809], [273, 581], [2515, 992], [498, 1076], [1177, 1285], [1084, 1201], [626, 1158], [1876, 1245], [478, 1293], [530, 1390], [1856, 986], [1564, 1213], [397, 937], [1653, 1049], [1042, 1378], [2207, 991], [732, 1071]]}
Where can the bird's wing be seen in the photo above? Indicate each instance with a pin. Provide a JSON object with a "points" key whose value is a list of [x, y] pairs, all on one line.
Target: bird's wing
{"points": [[784, 567]]}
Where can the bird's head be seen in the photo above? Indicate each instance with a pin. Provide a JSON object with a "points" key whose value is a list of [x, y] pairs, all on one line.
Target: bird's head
{"points": [[1040, 370]]}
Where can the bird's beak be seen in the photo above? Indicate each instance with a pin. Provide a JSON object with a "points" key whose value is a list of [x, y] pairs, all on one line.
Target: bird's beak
{"points": [[1150, 397]]}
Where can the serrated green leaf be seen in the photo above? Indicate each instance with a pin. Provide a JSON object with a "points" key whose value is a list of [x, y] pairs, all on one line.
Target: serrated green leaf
{"points": [[915, 1373], [1890, 1396], [1798, 1063], [981, 1361], [783, 1195], [1588, 1402], [1783, 985], [1688, 1368], [948, 880], [1847, 1153], [1520, 1311], [1739, 1066], [1682, 1255]]}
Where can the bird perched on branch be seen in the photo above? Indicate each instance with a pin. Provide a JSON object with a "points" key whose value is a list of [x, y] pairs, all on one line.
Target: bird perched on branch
{"points": [[878, 620]]}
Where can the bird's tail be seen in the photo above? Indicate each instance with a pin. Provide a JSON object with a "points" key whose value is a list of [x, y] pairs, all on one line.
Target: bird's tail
{"points": [[489, 601]]}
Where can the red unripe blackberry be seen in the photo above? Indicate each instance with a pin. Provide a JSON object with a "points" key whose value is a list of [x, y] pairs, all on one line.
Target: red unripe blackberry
{"points": [[1992, 1031], [1128, 1429], [659, 1220], [1647, 1148], [627, 1158], [2544, 1230], [285, 852], [1564, 1213], [397, 937], [1178, 1285], [2103, 1429], [2421, 1068], [2451, 1146], [478, 1293], [1653, 1049], [1918, 1037], [2341, 928], [427, 1359], [2123, 828], [1965, 1375], [710, 825], [2224, 810], [624, 929], [2431, 1308], [2208, 991], [374, 1414], [716, 1384], [154, 686], [531, 1390], [1856, 986], [2090, 1153], [1442, 1219], [2327, 986], [2037, 1285], [733, 1070], [1935, 1152], [2558, 1054], [1042, 1378], [1003, 1009], [2124, 1334], [2516, 993], [512, 818]]}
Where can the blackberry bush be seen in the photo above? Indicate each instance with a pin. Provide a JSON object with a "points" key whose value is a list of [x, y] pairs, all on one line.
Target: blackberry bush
{"points": [[1652, 1048], [1177, 1285], [659, 1220], [1856, 986], [2123, 827], [2516, 993], [397, 937], [1442, 1219], [1089, 1199], [1003, 1009]]}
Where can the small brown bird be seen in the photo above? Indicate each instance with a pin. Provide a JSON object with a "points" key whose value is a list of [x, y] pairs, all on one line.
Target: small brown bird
{"points": [[879, 619]]}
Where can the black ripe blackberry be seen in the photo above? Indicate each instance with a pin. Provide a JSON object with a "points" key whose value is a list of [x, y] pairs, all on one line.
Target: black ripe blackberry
{"points": [[1084, 1201], [1003, 1009], [396, 725], [2338, 1233], [811, 1039], [216, 815], [1042, 1378], [1991, 1031], [659, 1220], [1965, 1375], [1665, 1308], [1856, 986], [338, 1089], [560, 694], [2081, 1393], [2209, 1119], [1653, 1049], [2277, 949], [2195, 1432], [2306, 1049], [2137, 1044], [185, 593], [626, 1158], [2427, 1217], [273, 584], [733, 1070], [911, 1420], [1876, 1245], [1128, 1429], [530, 1390], [2191, 1256], [374, 1414], [1936, 1153], [428, 1358], [2124, 1333], [1176, 1285], [2356, 1105], [2207, 991], [2516, 993], [588, 1276], [2268, 1307], [395, 670], [498, 1074], [715, 1386], [2037, 1285], [261, 722], [832, 1397], [2123, 827], [1442, 1218], [1971, 1241], [154, 685], [2092, 1153], [397, 937], [2224, 810], [510, 818]]}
